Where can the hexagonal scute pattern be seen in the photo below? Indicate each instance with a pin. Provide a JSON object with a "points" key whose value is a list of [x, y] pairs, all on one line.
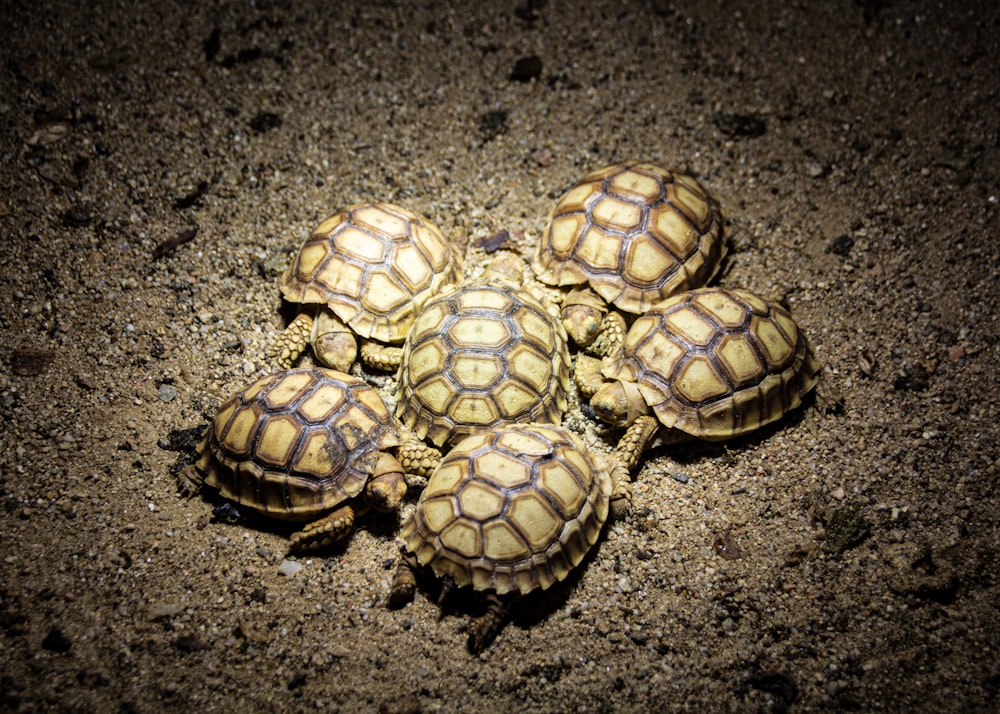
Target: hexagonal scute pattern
{"points": [[296, 444], [511, 509], [636, 233], [717, 363], [481, 356], [374, 265]]}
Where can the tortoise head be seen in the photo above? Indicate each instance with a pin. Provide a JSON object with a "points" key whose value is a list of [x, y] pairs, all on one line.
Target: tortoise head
{"points": [[619, 403], [583, 315]]}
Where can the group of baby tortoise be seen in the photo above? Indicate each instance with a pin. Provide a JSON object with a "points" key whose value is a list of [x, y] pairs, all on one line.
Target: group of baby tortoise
{"points": [[483, 371]]}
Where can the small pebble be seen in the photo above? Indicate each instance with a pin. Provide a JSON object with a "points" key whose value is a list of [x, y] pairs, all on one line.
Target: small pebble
{"points": [[266, 554], [527, 69], [167, 392], [56, 641], [543, 157], [846, 527], [680, 477], [288, 568], [86, 381], [815, 169]]}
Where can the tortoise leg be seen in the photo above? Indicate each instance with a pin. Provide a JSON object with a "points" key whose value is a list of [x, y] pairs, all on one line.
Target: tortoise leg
{"points": [[418, 459], [587, 375], [293, 341], [404, 582], [382, 357], [486, 630], [189, 481], [611, 337], [321, 533], [621, 493], [448, 589], [634, 440], [828, 398]]}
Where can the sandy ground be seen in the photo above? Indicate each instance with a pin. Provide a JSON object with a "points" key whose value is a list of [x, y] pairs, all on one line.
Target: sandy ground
{"points": [[159, 165]]}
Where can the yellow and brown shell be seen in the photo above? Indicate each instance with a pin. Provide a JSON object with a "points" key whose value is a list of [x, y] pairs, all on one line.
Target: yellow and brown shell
{"points": [[513, 509], [717, 363], [373, 264], [298, 443], [478, 356], [636, 233]]}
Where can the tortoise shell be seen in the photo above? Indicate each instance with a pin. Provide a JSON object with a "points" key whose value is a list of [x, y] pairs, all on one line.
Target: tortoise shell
{"points": [[296, 444], [636, 233], [478, 356], [511, 509], [716, 363], [373, 264]]}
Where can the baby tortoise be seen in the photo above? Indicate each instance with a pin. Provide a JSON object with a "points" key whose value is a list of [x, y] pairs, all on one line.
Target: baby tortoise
{"points": [[312, 445], [364, 272], [629, 235], [712, 364], [482, 354], [509, 511]]}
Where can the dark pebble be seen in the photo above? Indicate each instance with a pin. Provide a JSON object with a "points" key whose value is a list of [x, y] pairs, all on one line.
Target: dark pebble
{"points": [[191, 643], [213, 44], [56, 641], [841, 245], [167, 246], [265, 121], [846, 528], [493, 242], [227, 512], [527, 69], [85, 381], [492, 124], [735, 124]]}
